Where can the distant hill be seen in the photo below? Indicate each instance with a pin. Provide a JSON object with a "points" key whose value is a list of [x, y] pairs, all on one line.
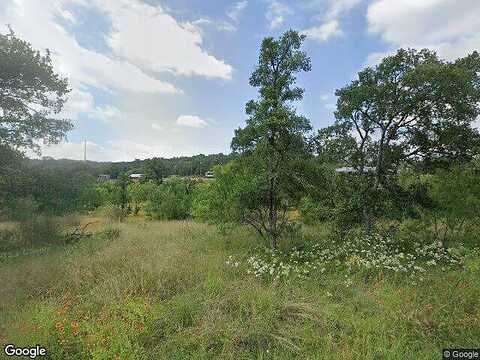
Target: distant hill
{"points": [[156, 167]]}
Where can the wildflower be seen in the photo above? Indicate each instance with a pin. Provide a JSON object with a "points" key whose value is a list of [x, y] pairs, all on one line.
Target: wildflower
{"points": [[59, 326]]}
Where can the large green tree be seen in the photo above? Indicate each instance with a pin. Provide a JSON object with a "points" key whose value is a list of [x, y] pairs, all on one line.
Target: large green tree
{"points": [[412, 108], [31, 96], [273, 143]]}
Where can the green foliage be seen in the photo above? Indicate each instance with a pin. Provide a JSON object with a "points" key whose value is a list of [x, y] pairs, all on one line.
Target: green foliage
{"points": [[225, 200], [49, 191], [139, 193], [9, 239], [171, 200], [90, 198], [110, 232], [113, 212], [456, 204], [335, 198], [40, 230], [412, 108], [58, 192], [115, 193], [31, 95], [109, 192], [20, 208], [398, 118]]}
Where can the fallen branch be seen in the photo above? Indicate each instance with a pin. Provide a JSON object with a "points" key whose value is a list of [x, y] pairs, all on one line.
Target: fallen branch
{"points": [[78, 233]]}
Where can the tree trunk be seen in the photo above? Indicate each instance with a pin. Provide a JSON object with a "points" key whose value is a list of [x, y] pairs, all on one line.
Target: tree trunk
{"points": [[272, 218]]}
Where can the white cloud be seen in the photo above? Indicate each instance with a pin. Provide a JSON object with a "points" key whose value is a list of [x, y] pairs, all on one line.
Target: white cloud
{"points": [[157, 127], [330, 24], [79, 102], [325, 97], [323, 32], [150, 38], [82, 66], [234, 13], [449, 26], [191, 121], [338, 7], [237, 10], [175, 47], [276, 13], [219, 25], [68, 16], [106, 113], [146, 41]]}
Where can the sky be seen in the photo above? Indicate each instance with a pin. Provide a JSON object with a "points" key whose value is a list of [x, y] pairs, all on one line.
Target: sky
{"points": [[164, 78]]}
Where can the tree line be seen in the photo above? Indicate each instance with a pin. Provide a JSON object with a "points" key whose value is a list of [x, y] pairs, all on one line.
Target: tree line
{"points": [[402, 146]]}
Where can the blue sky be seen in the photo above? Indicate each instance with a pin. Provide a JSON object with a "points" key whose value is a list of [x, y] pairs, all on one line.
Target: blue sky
{"points": [[170, 77]]}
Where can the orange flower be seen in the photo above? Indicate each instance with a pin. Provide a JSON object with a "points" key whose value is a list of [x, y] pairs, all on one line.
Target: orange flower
{"points": [[59, 326], [67, 304], [75, 327]]}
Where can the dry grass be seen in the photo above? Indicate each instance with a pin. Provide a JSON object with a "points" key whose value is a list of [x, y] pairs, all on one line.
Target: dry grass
{"points": [[162, 291]]}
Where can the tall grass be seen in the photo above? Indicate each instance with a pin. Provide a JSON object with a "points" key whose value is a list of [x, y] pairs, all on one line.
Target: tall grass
{"points": [[162, 290]]}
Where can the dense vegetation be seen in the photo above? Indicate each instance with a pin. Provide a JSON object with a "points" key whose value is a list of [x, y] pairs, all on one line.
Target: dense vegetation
{"points": [[361, 240]]}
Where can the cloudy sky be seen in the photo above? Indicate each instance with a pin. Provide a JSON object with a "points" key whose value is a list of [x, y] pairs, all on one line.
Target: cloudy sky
{"points": [[170, 77]]}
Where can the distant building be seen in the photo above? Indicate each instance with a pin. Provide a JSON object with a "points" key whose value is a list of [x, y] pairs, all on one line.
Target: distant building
{"points": [[352, 170], [103, 177], [136, 177], [209, 174]]}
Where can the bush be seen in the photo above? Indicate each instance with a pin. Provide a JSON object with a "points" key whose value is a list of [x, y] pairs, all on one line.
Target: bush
{"points": [[312, 211], [228, 199], [90, 198], [114, 213], [172, 200], [456, 204], [40, 230], [139, 193], [9, 240], [21, 208], [110, 232]]}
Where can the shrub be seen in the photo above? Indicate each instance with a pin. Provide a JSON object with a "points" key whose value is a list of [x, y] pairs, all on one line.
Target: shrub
{"points": [[110, 232], [312, 211], [9, 240], [21, 208], [456, 208], [40, 230], [229, 199], [90, 198], [172, 200], [138, 194], [113, 212]]}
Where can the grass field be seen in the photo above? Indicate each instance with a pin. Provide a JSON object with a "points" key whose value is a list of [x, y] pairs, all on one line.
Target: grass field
{"points": [[162, 290]]}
